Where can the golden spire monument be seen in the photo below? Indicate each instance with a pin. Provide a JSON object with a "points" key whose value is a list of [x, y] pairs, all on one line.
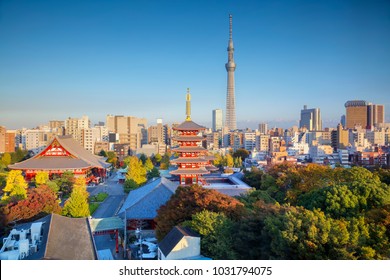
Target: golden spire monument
{"points": [[188, 105]]}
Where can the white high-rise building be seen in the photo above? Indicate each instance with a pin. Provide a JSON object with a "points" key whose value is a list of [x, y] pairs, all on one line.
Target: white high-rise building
{"points": [[249, 141], [311, 119], [263, 128], [75, 126], [217, 123]]}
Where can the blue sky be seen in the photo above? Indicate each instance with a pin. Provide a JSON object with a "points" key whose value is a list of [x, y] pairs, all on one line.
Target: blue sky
{"points": [[62, 59]]}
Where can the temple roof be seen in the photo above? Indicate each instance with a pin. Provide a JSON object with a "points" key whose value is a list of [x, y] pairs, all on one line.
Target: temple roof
{"points": [[104, 224], [70, 239], [73, 156], [211, 168], [143, 203], [190, 171], [189, 125], [189, 160], [189, 149], [188, 138]]}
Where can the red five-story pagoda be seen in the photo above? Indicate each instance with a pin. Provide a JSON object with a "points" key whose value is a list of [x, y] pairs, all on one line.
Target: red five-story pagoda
{"points": [[191, 163]]}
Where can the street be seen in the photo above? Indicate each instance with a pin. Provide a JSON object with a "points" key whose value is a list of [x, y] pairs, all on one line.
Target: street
{"points": [[108, 208]]}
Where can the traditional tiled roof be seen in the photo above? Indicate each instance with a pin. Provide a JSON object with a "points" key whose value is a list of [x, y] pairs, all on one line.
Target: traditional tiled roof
{"points": [[189, 149], [63, 238], [144, 202], [188, 160], [190, 171], [189, 125], [70, 239], [211, 168], [173, 237], [188, 138], [104, 224], [79, 158]]}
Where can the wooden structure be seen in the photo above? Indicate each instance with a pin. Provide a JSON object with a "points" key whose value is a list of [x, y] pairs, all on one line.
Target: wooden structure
{"points": [[191, 162], [64, 154]]}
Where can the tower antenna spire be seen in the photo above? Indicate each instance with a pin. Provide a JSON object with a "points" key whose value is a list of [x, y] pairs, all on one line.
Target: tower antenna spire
{"points": [[230, 66], [230, 27]]}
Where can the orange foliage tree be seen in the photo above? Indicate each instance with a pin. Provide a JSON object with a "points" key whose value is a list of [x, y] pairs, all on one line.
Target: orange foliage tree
{"points": [[41, 200], [190, 200]]}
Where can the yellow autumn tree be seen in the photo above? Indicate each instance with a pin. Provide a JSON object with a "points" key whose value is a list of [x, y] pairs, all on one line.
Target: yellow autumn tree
{"points": [[77, 205], [41, 178], [137, 172], [16, 186]]}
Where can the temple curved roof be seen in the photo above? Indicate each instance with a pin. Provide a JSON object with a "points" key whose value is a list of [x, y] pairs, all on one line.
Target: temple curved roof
{"points": [[189, 149], [71, 155], [191, 138], [189, 160], [190, 171], [189, 125]]}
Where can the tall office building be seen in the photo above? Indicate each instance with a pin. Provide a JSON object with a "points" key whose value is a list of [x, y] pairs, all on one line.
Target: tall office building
{"points": [[75, 126], [131, 130], [364, 114], [375, 115], [230, 66], [311, 119], [263, 128], [217, 120]]}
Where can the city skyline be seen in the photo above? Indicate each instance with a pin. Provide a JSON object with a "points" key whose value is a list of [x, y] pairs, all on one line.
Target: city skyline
{"points": [[138, 59]]}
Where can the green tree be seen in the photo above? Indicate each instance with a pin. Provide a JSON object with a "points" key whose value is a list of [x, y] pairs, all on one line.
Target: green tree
{"points": [[154, 173], [241, 153], [215, 230], [65, 182], [189, 200], [130, 185], [16, 186], [77, 204], [103, 153], [53, 186], [136, 171], [41, 178], [157, 158], [356, 191], [164, 164], [112, 158], [19, 155], [254, 177], [251, 241], [143, 158]]}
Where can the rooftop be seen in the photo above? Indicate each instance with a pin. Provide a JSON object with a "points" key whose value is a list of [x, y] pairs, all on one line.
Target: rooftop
{"points": [[189, 125]]}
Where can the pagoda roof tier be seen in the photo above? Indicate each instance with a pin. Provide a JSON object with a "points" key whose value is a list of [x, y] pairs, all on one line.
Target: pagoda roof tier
{"points": [[192, 138], [189, 125], [190, 171], [189, 149], [63, 153], [211, 168], [189, 160]]}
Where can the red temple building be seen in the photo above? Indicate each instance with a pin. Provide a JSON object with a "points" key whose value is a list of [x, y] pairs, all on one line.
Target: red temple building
{"points": [[191, 162], [64, 154]]}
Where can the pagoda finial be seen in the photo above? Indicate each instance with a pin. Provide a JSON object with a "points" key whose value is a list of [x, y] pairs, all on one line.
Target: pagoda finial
{"points": [[188, 105]]}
